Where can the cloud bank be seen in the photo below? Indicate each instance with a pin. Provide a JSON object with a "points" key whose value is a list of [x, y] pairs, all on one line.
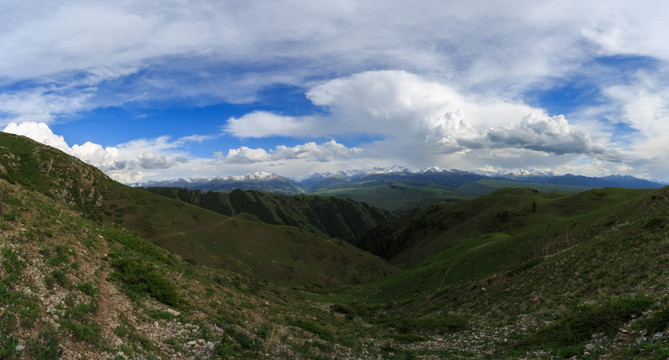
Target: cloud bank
{"points": [[404, 108], [455, 84]]}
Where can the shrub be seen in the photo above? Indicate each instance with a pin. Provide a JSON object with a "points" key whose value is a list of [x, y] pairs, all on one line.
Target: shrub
{"points": [[140, 278], [88, 288], [7, 346], [659, 321], [49, 346], [313, 328]]}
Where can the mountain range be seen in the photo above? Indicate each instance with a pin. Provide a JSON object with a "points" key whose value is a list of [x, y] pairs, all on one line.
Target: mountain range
{"points": [[398, 189]]}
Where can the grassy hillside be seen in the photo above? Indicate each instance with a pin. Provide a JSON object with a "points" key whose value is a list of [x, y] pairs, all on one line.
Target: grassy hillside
{"points": [[487, 186], [74, 288], [583, 264], [188, 230], [401, 198], [397, 197], [326, 217]]}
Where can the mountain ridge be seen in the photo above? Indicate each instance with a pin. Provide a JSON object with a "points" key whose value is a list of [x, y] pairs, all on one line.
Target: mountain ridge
{"points": [[309, 182], [399, 189]]}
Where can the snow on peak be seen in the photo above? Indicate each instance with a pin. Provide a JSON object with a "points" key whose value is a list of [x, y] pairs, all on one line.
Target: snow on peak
{"points": [[259, 175]]}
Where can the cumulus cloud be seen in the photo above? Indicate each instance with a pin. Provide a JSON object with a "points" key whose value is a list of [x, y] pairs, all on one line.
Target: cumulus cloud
{"points": [[550, 135], [244, 155], [405, 107], [325, 152], [262, 124], [39, 132], [149, 160]]}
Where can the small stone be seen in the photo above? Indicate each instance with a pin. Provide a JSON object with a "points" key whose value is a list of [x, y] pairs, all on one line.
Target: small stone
{"points": [[191, 343], [20, 347], [590, 347], [173, 312], [640, 339], [210, 345], [201, 342], [657, 336]]}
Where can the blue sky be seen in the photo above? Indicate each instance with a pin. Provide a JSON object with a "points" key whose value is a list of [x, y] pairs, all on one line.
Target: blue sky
{"points": [[149, 90]]}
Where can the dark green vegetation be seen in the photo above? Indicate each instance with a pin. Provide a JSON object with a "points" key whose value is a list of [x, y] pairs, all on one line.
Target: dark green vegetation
{"points": [[91, 268], [326, 217]]}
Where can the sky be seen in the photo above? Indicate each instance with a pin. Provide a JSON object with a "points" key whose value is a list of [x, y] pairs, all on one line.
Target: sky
{"points": [[151, 90]]}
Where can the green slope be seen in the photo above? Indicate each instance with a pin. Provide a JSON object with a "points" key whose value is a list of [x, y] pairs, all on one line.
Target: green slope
{"points": [[398, 197], [487, 186], [326, 217], [600, 247], [73, 288], [188, 230]]}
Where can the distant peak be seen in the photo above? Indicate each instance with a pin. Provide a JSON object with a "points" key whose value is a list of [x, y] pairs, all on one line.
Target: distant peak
{"points": [[517, 173], [258, 175]]}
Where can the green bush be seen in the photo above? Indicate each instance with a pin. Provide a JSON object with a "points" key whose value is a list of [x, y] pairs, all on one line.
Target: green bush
{"points": [[659, 321], [348, 311], [49, 346], [442, 325], [86, 331], [245, 341], [59, 277], [566, 336], [140, 278], [87, 288], [79, 322], [7, 346], [313, 328]]}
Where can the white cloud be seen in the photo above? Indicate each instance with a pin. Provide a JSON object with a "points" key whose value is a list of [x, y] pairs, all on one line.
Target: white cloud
{"points": [[39, 132], [325, 152], [263, 124], [244, 155], [550, 135], [41, 104]]}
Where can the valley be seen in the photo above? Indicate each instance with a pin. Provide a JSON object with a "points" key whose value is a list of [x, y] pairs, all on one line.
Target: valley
{"points": [[480, 268]]}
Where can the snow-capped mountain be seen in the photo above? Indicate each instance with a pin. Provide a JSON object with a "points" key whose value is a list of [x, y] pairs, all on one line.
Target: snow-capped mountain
{"points": [[434, 176], [517, 173], [262, 180]]}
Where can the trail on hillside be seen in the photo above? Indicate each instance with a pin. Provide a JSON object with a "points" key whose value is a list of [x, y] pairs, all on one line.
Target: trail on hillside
{"points": [[191, 231]]}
